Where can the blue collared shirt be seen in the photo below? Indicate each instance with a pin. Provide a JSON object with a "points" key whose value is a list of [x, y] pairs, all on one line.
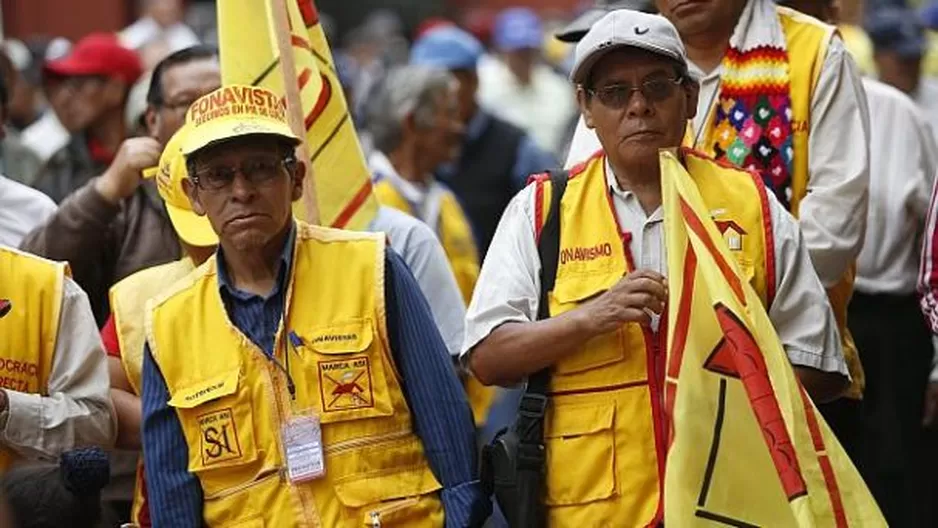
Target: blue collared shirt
{"points": [[441, 414]]}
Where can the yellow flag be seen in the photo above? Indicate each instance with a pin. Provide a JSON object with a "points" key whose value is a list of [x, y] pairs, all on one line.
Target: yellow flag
{"points": [[249, 55], [747, 447]]}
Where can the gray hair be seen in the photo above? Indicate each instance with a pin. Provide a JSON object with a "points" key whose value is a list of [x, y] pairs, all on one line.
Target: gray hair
{"points": [[406, 91]]}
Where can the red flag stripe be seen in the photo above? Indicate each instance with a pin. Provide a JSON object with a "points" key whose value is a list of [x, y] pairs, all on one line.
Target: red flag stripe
{"points": [[300, 42], [304, 78], [697, 227], [830, 479], [353, 206]]}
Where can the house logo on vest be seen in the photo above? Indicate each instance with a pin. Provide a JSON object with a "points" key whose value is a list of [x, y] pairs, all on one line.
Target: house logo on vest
{"points": [[219, 437], [732, 233], [345, 384]]}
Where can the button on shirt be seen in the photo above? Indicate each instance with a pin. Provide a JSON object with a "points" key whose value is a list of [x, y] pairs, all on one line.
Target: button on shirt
{"points": [[509, 285], [441, 414]]}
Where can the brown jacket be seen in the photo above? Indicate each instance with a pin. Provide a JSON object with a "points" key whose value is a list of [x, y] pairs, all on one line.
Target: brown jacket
{"points": [[104, 243]]}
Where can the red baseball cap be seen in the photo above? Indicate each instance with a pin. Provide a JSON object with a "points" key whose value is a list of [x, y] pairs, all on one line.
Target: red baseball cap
{"points": [[98, 54]]}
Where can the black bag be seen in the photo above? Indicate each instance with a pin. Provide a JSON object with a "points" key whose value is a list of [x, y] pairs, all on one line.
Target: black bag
{"points": [[513, 463]]}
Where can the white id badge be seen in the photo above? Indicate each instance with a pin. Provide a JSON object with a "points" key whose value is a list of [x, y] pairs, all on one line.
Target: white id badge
{"points": [[302, 447]]}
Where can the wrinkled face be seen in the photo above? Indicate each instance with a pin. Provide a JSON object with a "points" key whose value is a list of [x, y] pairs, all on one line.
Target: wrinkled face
{"points": [[182, 85], [696, 17], [637, 105], [246, 188], [439, 141], [901, 72], [79, 102]]}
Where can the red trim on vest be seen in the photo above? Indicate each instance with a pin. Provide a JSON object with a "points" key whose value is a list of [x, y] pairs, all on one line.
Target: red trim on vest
{"points": [[768, 242], [581, 167], [652, 359], [538, 210]]}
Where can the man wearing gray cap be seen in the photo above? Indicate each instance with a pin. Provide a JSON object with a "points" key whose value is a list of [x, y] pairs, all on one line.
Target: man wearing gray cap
{"points": [[600, 333]]}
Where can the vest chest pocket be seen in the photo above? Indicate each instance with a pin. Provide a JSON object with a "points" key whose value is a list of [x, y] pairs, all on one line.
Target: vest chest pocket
{"points": [[568, 294], [352, 376], [584, 434], [217, 418]]}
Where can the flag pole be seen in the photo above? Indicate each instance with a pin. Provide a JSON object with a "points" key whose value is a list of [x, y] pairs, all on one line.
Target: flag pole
{"points": [[278, 9]]}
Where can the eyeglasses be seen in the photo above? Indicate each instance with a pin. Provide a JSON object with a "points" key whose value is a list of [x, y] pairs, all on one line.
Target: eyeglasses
{"points": [[653, 90], [257, 171], [178, 107]]}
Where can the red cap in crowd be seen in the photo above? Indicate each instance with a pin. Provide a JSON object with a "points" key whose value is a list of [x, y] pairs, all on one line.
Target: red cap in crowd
{"points": [[431, 23], [98, 54]]}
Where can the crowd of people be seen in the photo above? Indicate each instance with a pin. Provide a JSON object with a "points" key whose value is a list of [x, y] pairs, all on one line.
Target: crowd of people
{"points": [[165, 319]]}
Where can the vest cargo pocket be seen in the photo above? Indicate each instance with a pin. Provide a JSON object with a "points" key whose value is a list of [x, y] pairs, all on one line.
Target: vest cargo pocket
{"points": [[580, 437], [407, 497], [245, 505], [600, 351]]}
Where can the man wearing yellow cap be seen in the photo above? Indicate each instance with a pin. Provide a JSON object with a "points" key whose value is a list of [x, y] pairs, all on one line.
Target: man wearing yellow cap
{"points": [[297, 377]]}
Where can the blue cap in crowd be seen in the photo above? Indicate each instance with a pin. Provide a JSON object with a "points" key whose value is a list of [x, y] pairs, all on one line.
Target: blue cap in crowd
{"points": [[446, 47], [518, 28], [897, 30], [930, 15]]}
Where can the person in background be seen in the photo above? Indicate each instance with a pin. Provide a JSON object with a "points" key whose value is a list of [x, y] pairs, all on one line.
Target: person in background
{"points": [[520, 88], [87, 89], [19, 162], [635, 90], [161, 24], [116, 225], [496, 157], [899, 45], [806, 132], [272, 272], [63, 495], [22, 208], [26, 100]]}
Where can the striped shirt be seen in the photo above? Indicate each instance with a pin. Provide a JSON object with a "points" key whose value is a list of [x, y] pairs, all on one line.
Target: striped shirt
{"points": [[441, 414]]}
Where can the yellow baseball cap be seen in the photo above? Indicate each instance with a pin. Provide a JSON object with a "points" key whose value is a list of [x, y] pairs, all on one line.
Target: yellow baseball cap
{"points": [[193, 229], [232, 111]]}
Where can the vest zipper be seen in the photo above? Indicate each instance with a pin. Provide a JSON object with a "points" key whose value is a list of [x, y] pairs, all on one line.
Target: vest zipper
{"points": [[376, 514], [338, 447], [263, 477]]}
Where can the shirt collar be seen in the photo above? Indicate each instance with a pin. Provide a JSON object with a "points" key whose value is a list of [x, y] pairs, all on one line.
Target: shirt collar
{"points": [[628, 197], [286, 260], [382, 169]]}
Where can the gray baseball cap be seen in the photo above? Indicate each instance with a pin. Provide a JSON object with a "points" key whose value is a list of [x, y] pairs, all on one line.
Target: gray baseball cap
{"points": [[574, 31], [626, 28]]}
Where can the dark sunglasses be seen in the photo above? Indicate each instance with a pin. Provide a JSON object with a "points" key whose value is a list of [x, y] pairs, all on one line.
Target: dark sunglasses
{"points": [[257, 171], [653, 90]]}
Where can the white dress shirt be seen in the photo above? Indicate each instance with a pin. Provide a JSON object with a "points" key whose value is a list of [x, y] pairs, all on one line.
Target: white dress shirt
{"points": [[903, 161], [417, 245], [509, 284], [22, 209], [926, 96], [77, 411], [833, 214]]}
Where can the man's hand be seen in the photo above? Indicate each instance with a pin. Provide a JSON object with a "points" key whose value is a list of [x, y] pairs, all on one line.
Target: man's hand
{"points": [[630, 300], [122, 178], [930, 417]]}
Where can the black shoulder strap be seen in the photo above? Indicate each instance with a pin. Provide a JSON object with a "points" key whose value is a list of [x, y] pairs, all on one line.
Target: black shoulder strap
{"points": [[529, 425]]}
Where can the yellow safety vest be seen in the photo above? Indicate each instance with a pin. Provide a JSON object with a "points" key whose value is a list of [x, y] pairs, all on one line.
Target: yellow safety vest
{"points": [[34, 287], [128, 302], [605, 414], [807, 40], [232, 399], [456, 237]]}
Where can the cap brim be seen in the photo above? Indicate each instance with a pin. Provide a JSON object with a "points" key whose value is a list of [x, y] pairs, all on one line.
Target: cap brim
{"points": [[580, 70], [581, 25], [67, 67], [193, 229], [224, 129]]}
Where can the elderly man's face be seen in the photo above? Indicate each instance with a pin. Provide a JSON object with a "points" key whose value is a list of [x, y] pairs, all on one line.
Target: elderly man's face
{"points": [[696, 17], [637, 104], [182, 85], [440, 140], [81, 101], [246, 189]]}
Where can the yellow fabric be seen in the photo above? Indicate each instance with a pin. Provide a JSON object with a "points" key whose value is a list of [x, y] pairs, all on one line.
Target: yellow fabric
{"points": [[860, 46], [807, 41], [34, 288], [605, 411], [742, 425], [249, 55], [232, 401], [456, 237], [930, 61]]}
